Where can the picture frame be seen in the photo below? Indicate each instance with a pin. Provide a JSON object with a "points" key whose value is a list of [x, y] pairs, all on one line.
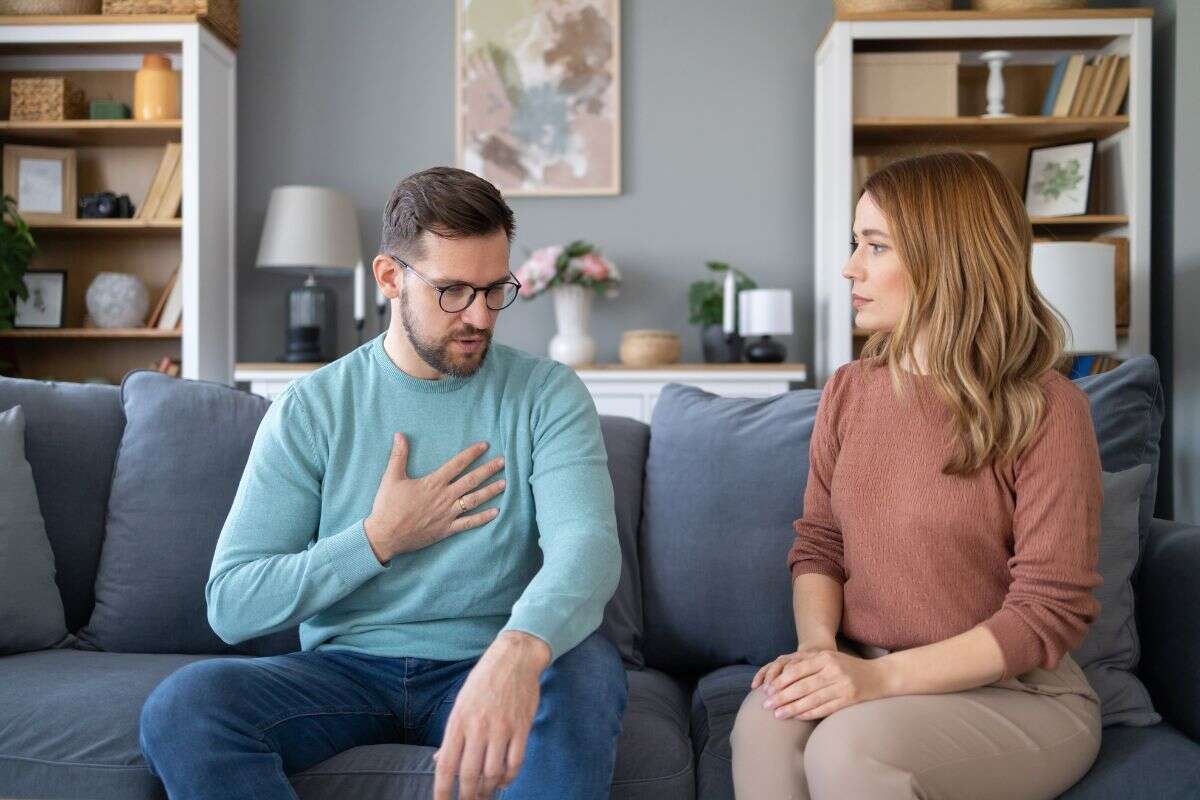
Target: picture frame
{"points": [[46, 305], [537, 96], [1058, 179], [42, 179]]}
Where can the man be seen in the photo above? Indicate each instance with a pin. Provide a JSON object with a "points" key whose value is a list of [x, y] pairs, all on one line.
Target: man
{"points": [[444, 599]]}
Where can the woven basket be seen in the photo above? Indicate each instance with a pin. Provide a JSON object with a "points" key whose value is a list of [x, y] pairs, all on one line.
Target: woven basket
{"points": [[1026, 5], [50, 7], [646, 348], [46, 99], [874, 6], [222, 15]]}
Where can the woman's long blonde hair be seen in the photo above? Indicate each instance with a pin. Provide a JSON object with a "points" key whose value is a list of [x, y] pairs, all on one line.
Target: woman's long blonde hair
{"points": [[963, 235]]}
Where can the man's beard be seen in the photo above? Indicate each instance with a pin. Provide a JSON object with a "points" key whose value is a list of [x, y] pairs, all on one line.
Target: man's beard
{"points": [[437, 354]]}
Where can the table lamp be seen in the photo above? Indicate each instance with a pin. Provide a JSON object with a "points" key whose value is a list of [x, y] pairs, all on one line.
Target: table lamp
{"points": [[763, 313], [1077, 279], [313, 229]]}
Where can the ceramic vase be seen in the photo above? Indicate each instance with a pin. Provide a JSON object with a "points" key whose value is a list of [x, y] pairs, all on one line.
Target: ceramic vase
{"points": [[572, 345], [117, 300]]}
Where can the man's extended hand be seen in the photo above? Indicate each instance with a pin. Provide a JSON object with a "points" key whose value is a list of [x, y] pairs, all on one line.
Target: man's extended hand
{"points": [[484, 743], [411, 513]]}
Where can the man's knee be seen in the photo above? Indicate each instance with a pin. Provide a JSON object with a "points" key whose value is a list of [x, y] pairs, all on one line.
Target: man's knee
{"points": [[591, 673], [186, 696]]}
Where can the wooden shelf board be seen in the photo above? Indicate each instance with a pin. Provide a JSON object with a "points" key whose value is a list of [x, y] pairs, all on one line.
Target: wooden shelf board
{"points": [[1083, 219], [89, 333], [1031, 130], [115, 19], [968, 14], [111, 225], [92, 131]]}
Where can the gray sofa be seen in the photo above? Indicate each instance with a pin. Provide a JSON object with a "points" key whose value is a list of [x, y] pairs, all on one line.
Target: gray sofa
{"points": [[704, 495]]}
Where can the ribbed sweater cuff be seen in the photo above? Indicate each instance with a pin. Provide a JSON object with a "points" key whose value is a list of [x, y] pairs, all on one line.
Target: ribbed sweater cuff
{"points": [[1020, 644], [351, 556], [818, 568]]}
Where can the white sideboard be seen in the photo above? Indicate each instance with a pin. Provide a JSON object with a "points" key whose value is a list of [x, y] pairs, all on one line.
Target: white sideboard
{"points": [[617, 389]]}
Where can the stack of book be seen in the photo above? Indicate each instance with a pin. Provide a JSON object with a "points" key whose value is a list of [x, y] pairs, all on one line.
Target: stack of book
{"points": [[167, 366], [1080, 89], [166, 190], [168, 309]]}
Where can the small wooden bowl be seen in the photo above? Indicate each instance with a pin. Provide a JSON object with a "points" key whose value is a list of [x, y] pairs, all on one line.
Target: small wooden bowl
{"points": [[875, 6], [649, 348]]}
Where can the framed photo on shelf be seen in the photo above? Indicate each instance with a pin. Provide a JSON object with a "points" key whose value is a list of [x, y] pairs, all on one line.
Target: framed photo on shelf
{"points": [[46, 305], [1058, 179], [42, 179]]}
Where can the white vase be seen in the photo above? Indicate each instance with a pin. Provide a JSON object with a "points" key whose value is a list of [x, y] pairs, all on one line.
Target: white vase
{"points": [[572, 345]]}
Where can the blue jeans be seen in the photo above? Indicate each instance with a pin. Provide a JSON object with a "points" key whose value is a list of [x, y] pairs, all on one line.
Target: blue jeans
{"points": [[237, 727]]}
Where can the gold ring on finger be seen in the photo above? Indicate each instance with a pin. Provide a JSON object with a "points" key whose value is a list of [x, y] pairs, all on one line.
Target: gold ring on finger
{"points": [[462, 505]]}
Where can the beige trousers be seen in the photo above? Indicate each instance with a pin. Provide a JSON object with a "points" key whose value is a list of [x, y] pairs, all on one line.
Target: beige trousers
{"points": [[1032, 736]]}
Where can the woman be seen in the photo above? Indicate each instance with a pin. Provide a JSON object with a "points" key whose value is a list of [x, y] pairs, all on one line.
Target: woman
{"points": [[944, 565]]}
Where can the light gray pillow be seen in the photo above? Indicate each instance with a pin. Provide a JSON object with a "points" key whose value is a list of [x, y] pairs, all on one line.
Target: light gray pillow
{"points": [[31, 609], [1109, 652]]}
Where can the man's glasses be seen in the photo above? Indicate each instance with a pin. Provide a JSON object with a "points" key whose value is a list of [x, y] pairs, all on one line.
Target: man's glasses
{"points": [[459, 296]]}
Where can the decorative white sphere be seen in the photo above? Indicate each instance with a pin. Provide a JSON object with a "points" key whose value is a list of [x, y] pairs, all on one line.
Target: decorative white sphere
{"points": [[118, 300]]}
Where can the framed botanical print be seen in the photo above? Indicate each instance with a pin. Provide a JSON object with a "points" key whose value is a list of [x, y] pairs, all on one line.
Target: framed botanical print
{"points": [[47, 302], [1058, 179], [538, 95], [42, 180]]}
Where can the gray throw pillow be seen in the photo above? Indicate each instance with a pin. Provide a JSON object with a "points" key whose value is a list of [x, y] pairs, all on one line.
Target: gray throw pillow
{"points": [[181, 458], [1109, 652], [626, 441], [31, 608]]}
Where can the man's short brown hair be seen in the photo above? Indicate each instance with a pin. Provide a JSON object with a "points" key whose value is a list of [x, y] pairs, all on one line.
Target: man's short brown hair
{"points": [[448, 202]]}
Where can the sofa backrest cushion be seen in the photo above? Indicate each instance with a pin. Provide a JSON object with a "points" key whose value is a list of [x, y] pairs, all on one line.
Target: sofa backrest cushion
{"points": [[72, 431], [178, 467], [626, 441], [725, 479]]}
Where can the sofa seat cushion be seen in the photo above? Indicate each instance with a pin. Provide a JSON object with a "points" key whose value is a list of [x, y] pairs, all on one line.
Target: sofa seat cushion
{"points": [[69, 723], [715, 705], [1149, 763], [69, 728]]}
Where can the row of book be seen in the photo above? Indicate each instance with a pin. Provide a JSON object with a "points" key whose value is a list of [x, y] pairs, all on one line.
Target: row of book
{"points": [[167, 366], [166, 189], [1080, 89], [168, 309]]}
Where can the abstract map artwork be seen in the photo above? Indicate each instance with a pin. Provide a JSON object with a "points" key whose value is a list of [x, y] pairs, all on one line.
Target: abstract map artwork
{"points": [[538, 95]]}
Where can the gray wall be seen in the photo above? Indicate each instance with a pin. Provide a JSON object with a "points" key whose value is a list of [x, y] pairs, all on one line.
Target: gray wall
{"points": [[717, 151], [717, 164]]}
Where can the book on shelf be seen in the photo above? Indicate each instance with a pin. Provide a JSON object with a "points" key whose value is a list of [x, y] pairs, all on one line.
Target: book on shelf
{"points": [[167, 366], [1081, 89], [156, 312], [153, 204], [168, 309]]}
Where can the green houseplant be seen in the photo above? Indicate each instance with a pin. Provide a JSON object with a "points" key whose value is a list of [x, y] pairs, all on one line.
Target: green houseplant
{"points": [[706, 302], [16, 251]]}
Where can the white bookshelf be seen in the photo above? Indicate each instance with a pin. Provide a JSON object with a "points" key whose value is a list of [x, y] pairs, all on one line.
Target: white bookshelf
{"points": [[104, 52], [1123, 142]]}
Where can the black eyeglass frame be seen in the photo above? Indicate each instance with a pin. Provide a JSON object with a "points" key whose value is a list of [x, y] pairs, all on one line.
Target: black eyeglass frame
{"points": [[441, 290]]}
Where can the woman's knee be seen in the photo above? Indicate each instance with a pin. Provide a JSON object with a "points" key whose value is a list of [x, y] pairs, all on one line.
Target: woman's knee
{"points": [[854, 752]]}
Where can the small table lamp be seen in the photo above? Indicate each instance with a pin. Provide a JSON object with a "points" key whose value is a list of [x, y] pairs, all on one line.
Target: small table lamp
{"points": [[765, 312], [1077, 279], [314, 229]]}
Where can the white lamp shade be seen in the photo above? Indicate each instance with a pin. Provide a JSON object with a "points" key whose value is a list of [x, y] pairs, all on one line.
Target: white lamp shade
{"points": [[765, 312], [309, 227], [1077, 279]]}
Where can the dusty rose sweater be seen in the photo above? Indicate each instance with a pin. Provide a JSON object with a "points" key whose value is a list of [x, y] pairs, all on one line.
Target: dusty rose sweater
{"points": [[924, 556]]}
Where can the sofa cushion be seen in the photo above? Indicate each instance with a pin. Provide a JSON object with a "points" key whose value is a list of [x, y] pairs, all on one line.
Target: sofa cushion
{"points": [[1154, 763], [72, 431], [626, 441], [715, 705], [725, 479], [31, 610], [1127, 412], [178, 466], [1109, 650]]}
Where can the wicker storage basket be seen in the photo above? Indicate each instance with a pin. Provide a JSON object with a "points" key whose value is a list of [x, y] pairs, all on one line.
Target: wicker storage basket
{"points": [[43, 99], [50, 7], [874, 6], [646, 348], [1026, 5], [222, 15]]}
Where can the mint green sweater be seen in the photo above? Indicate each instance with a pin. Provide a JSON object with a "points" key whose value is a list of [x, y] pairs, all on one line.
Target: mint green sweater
{"points": [[293, 549]]}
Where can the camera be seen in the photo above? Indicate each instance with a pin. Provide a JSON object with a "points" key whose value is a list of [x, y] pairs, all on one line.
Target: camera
{"points": [[105, 205]]}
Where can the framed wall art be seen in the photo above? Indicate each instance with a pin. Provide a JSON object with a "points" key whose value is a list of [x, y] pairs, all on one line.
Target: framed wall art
{"points": [[42, 179], [538, 95]]}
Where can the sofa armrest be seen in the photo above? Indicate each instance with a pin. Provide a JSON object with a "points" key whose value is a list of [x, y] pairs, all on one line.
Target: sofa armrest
{"points": [[1168, 618]]}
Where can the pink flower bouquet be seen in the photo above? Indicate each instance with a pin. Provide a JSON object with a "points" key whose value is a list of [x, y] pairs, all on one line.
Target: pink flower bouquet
{"points": [[579, 264]]}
